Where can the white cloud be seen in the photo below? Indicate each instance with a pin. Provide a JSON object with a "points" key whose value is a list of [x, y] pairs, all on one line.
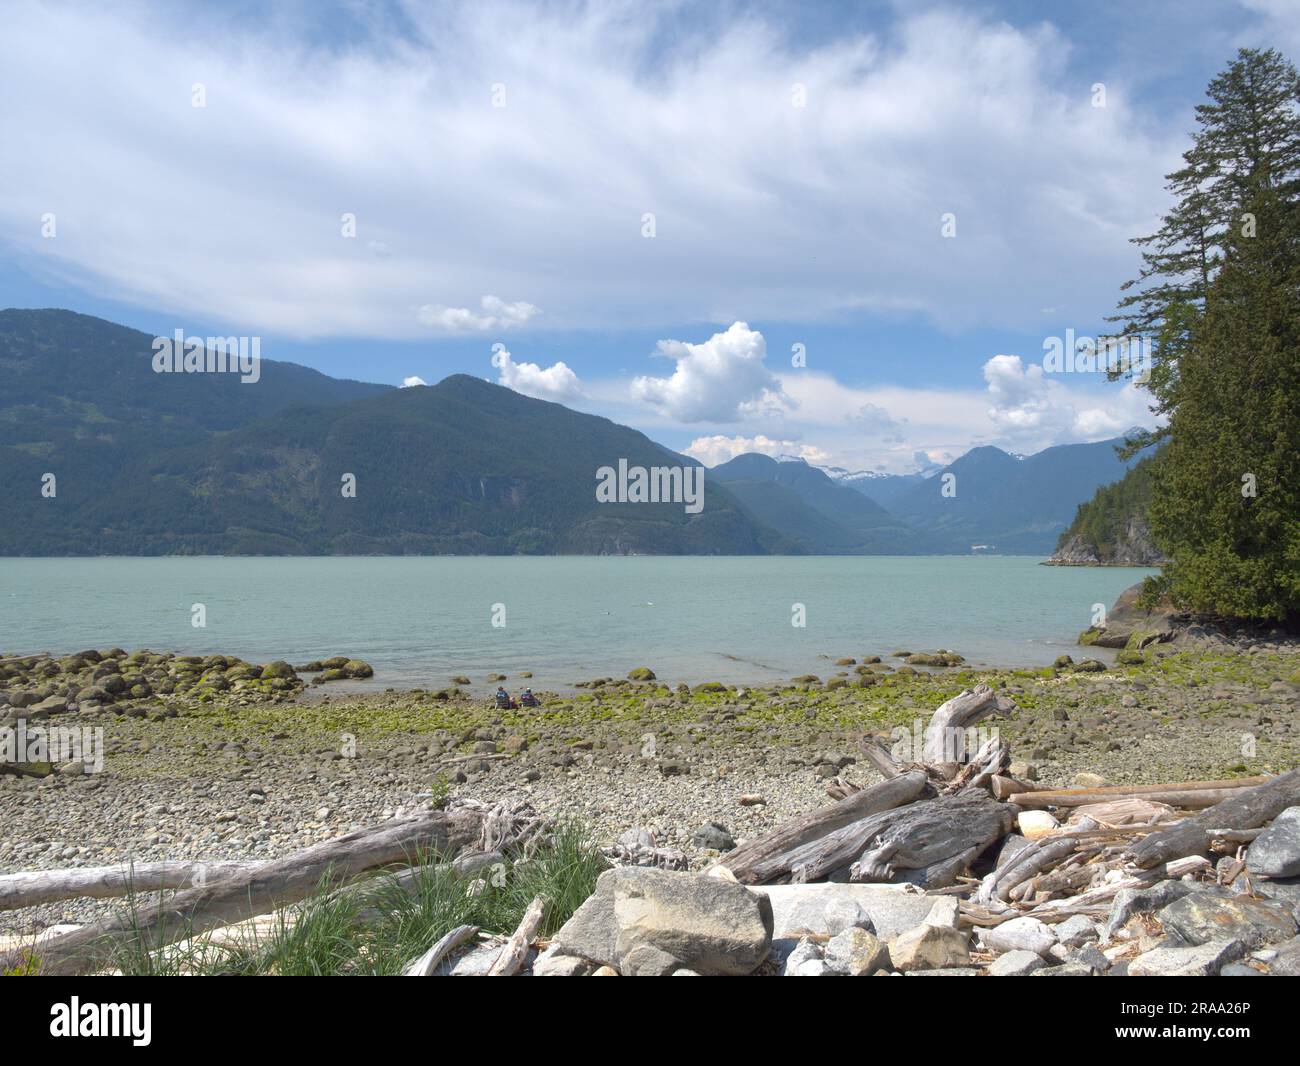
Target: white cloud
{"points": [[724, 379], [718, 449], [1028, 405], [496, 314], [611, 111], [556, 382], [413, 381]]}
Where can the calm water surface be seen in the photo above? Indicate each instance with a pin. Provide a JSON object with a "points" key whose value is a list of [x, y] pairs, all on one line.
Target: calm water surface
{"points": [[419, 620]]}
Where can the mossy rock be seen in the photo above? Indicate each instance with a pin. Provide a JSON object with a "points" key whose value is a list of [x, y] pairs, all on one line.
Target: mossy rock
{"points": [[641, 673], [1089, 636], [806, 679], [1090, 666], [867, 680], [279, 668], [1127, 657], [334, 662], [837, 682], [358, 668], [711, 686], [905, 671], [846, 662], [1063, 662], [313, 667], [460, 679], [496, 677]]}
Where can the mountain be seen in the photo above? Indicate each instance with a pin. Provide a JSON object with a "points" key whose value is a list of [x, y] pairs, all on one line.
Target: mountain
{"points": [[150, 463], [813, 511], [1111, 529], [1010, 504], [884, 489]]}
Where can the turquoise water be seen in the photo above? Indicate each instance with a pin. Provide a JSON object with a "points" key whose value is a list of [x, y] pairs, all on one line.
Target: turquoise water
{"points": [[419, 620]]}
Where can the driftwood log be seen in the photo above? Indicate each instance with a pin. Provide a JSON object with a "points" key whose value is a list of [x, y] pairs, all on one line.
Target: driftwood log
{"points": [[105, 882], [427, 964], [1247, 808], [945, 736], [765, 858], [516, 948], [1192, 795], [259, 891], [932, 842]]}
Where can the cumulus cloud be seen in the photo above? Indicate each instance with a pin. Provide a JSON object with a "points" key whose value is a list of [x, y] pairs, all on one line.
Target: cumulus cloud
{"points": [[1028, 405], [718, 449], [556, 382], [495, 314], [723, 379], [413, 381]]}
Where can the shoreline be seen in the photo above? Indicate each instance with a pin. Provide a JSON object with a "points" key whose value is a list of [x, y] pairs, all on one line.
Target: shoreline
{"points": [[255, 773]]}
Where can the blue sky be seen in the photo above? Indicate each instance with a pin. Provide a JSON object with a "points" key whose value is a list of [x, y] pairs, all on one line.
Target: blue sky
{"points": [[919, 195]]}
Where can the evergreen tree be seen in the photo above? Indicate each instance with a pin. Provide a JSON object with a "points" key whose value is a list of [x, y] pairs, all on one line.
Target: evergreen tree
{"points": [[1226, 503], [1248, 134]]}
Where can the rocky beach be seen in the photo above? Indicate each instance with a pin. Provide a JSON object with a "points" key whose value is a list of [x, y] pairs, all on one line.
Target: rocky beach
{"points": [[211, 758]]}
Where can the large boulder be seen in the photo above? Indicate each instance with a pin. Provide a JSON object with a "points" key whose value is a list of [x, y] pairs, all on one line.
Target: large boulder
{"points": [[1206, 916], [829, 909], [1276, 851], [707, 924], [1201, 960], [929, 947]]}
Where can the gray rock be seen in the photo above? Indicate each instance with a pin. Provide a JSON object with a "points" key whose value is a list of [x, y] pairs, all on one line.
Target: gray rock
{"points": [[945, 971], [1238, 969], [804, 951], [1089, 955], [813, 968], [713, 836], [550, 963], [1201, 960], [1286, 963], [1131, 901], [646, 960], [1016, 964], [1076, 931], [1203, 916], [1066, 969], [1276, 851], [1286, 889], [856, 953], [828, 909], [929, 947], [592, 933], [946, 912], [706, 923], [1020, 934]]}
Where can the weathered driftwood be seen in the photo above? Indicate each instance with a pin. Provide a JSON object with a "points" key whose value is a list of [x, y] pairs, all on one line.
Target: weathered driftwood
{"points": [[259, 891], [1004, 786], [945, 736], [1040, 855], [763, 858], [427, 963], [879, 757], [105, 882], [1247, 808], [1192, 795], [931, 842], [994, 754], [516, 948]]}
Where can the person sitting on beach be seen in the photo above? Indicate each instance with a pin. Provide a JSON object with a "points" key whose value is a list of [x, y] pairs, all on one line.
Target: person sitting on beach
{"points": [[503, 699], [527, 699]]}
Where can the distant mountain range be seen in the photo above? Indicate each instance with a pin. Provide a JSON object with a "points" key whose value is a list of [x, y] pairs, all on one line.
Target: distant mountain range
{"points": [[173, 463]]}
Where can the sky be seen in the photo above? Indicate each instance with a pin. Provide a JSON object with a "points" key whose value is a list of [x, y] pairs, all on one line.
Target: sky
{"points": [[847, 232]]}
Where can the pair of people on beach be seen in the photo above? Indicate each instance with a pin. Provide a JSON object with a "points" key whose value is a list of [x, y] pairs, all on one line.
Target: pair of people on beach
{"points": [[526, 699]]}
